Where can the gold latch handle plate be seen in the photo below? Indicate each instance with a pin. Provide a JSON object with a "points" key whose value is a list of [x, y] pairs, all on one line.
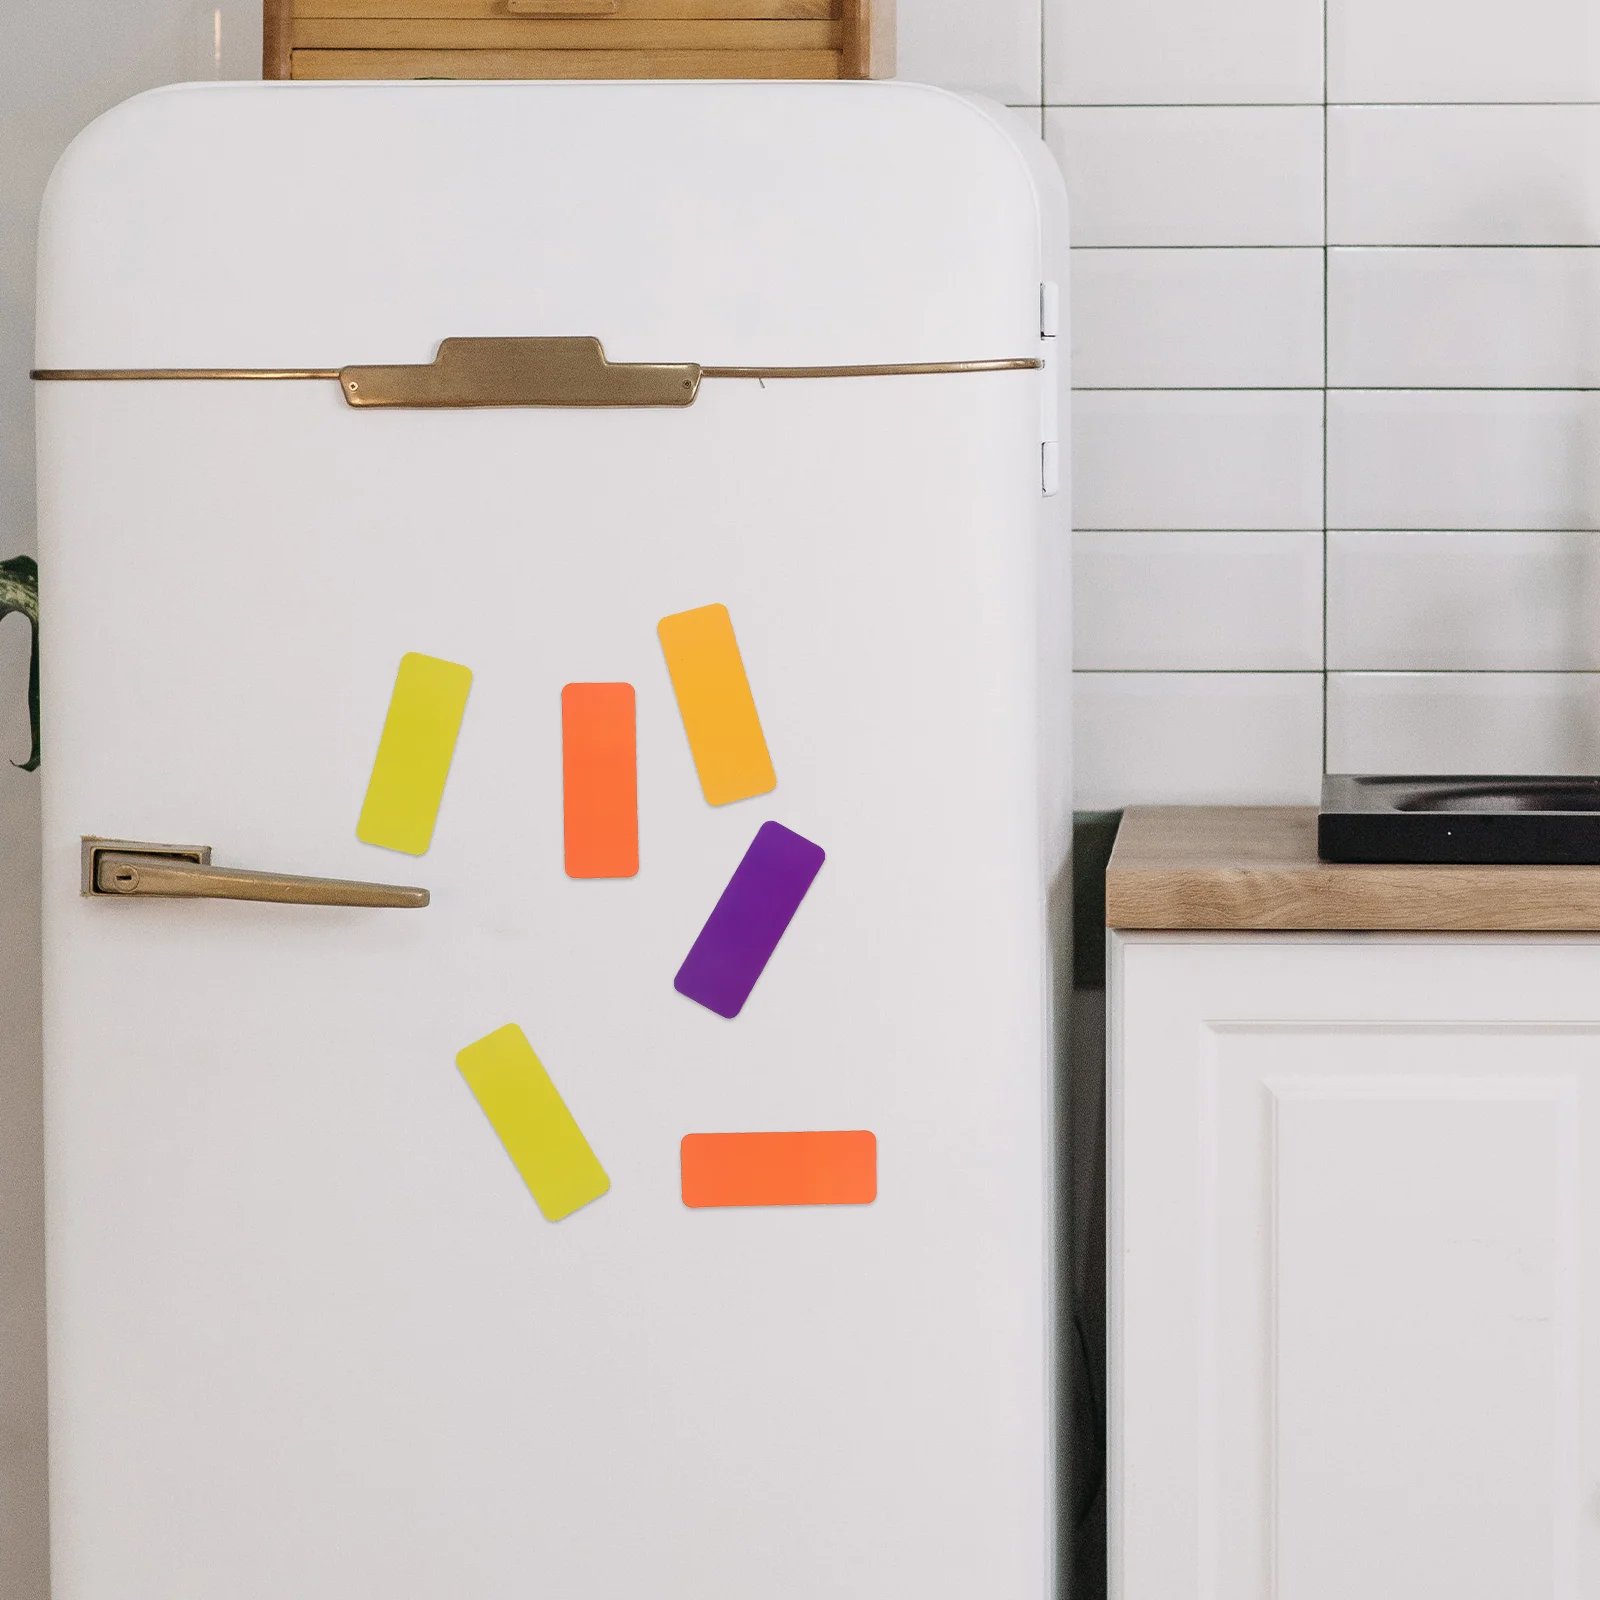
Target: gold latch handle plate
{"points": [[523, 372], [119, 868]]}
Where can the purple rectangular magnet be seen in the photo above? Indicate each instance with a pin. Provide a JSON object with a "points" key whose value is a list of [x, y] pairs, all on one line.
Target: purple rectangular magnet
{"points": [[743, 930]]}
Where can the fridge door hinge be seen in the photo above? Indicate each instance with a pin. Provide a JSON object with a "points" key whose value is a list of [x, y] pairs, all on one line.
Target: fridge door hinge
{"points": [[1049, 400], [1050, 467], [1049, 310]]}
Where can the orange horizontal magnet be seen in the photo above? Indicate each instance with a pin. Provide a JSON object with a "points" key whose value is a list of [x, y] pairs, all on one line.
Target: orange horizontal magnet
{"points": [[780, 1169]]}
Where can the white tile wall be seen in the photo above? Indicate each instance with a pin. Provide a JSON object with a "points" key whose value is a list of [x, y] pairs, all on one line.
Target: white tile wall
{"points": [[1224, 602], [1494, 723], [992, 47], [1465, 602], [1475, 174], [1225, 459], [1463, 50], [1158, 52], [1191, 175], [1198, 738], [1460, 318], [1489, 459], [1337, 349], [1199, 319]]}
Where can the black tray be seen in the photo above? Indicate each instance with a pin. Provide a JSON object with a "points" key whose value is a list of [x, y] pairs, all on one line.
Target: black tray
{"points": [[1485, 821]]}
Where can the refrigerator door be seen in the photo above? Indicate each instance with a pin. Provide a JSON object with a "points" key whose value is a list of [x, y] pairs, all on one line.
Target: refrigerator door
{"points": [[310, 1336]]}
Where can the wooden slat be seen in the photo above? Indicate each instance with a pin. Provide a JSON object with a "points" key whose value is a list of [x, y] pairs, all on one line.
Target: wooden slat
{"points": [[627, 10], [867, 49], [321, 33], [335, 64], [275, 26], [1256, 867]]}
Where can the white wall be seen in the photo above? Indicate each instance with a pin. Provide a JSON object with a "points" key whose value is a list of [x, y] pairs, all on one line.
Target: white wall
{"points": [[1337, 341]]}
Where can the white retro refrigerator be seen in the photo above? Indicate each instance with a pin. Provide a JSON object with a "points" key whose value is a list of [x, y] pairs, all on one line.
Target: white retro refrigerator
{"points": [[729, 413]]}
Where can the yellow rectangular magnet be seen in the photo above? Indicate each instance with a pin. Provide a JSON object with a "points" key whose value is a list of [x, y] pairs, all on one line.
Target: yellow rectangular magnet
{"points": [[526, 1110], [419, 738], [718, 710]]}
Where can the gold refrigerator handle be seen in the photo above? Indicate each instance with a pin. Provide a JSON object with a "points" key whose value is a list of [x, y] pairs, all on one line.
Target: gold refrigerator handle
{"points": [[119, 867]]}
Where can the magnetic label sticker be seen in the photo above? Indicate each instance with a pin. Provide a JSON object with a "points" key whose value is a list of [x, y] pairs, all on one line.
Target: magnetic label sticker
{"points": [[599, 780], [779, 1169], [746, 924], [413, 760], [717, 707], [526, 1110]]}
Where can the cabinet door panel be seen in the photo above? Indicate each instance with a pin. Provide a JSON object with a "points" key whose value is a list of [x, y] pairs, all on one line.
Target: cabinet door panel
{"points": [[1350, 1268]]}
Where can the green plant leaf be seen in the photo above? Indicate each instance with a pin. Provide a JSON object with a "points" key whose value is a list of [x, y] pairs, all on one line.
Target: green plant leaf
{"points": [[19, 591]]}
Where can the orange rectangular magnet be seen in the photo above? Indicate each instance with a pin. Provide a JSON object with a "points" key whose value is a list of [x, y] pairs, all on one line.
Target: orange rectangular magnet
{"points": [[600, 780], [779, 1169], [718, 709]]}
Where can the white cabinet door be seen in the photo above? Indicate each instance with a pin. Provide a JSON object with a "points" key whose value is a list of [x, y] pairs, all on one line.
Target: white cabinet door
{"points": [[1353, 1268]]}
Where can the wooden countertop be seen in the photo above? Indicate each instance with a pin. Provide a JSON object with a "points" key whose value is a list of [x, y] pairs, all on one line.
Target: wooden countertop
{"points": [[1243, 867]]}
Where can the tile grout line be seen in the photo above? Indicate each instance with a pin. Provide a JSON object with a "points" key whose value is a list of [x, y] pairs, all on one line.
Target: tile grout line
{"points": [[1183, 105], [1320, 105], [1337, 388], [1326, 370], [1043, 60], [1337, 672], [1279, 528], [1347, 248]]}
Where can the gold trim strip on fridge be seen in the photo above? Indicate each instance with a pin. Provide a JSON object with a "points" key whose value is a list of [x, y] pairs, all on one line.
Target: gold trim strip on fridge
{"points": [[520, 372], [162, 374], [914, 369], [910, 369]]}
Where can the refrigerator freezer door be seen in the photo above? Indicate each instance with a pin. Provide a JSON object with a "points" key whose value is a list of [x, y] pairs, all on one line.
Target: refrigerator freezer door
{"points": [[310, 1336]]}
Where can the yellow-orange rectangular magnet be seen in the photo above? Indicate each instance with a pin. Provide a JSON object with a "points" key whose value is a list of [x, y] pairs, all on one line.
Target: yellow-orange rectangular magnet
{"points": [[419, 739], [526, 1110], [718, 710], [599, 780], [779, 1169]]}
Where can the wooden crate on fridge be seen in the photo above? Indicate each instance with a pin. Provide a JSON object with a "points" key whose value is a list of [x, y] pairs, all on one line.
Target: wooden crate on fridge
{"points": [[578, 39]]}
